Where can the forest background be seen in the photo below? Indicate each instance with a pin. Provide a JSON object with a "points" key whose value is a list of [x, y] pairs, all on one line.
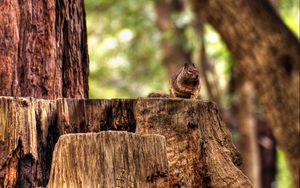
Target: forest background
{"points": [[127, 60]]}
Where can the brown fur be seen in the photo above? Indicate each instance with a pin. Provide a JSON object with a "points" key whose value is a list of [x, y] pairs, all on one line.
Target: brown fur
{"points": [[186, 83], [158, 95]]}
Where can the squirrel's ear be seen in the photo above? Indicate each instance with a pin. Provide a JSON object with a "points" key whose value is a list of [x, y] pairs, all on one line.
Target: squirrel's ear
{"points": [[194, 65], [186, 65]]}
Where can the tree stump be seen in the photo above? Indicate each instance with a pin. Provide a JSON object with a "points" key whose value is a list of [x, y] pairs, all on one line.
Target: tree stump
{"points": [[199, 147], [109, 159], [18, 143]]}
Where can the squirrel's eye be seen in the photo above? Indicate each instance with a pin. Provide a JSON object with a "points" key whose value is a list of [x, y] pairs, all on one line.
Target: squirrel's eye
{"points": [[189, 72]]}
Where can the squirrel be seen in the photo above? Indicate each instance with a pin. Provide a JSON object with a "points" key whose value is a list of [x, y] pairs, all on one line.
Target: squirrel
{"points": [[184, 84]]}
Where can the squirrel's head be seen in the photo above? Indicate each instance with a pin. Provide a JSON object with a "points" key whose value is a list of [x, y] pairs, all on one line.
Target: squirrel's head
{"points": [[190, 72]]}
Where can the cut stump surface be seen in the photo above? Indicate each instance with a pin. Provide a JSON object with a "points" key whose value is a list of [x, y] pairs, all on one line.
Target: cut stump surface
{"points": [[109, 159]]}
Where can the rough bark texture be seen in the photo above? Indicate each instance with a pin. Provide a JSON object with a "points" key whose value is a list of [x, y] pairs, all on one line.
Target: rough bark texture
{"points": [[18, 140], [27, 138], [269, 56], [43, 50], [47, 136], [199, 147], [109, 159], [95, 115], [72, 51]]}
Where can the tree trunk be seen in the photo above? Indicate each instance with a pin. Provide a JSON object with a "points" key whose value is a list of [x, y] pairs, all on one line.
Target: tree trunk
{"points": [[173, 42], [109, 159], [269, 56], [43, 52], [206, 68], [199, 147], [43, 49], [267, 149], [249, 145]]}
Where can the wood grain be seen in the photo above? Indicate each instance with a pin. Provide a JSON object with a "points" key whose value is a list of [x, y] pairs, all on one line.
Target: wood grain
{"points": [[199, 145], [109, 159]]}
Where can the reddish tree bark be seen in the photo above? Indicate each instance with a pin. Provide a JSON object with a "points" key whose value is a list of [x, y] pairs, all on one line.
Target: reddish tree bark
{"points": [[43, 54], [43, 49]]}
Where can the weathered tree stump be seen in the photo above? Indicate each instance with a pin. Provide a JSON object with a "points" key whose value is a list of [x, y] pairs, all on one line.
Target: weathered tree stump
{"points": [[199, 147], [18, 143], [109, 159]]}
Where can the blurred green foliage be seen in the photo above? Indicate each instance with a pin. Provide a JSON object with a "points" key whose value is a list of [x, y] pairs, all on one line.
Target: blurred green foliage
{"points": [[289, 12], [284, 178], [124, 49]]}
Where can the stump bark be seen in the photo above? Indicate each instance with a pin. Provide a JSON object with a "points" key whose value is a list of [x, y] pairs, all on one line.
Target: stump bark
{"points": [[109, 159], [199, 146], [200, 152]]}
